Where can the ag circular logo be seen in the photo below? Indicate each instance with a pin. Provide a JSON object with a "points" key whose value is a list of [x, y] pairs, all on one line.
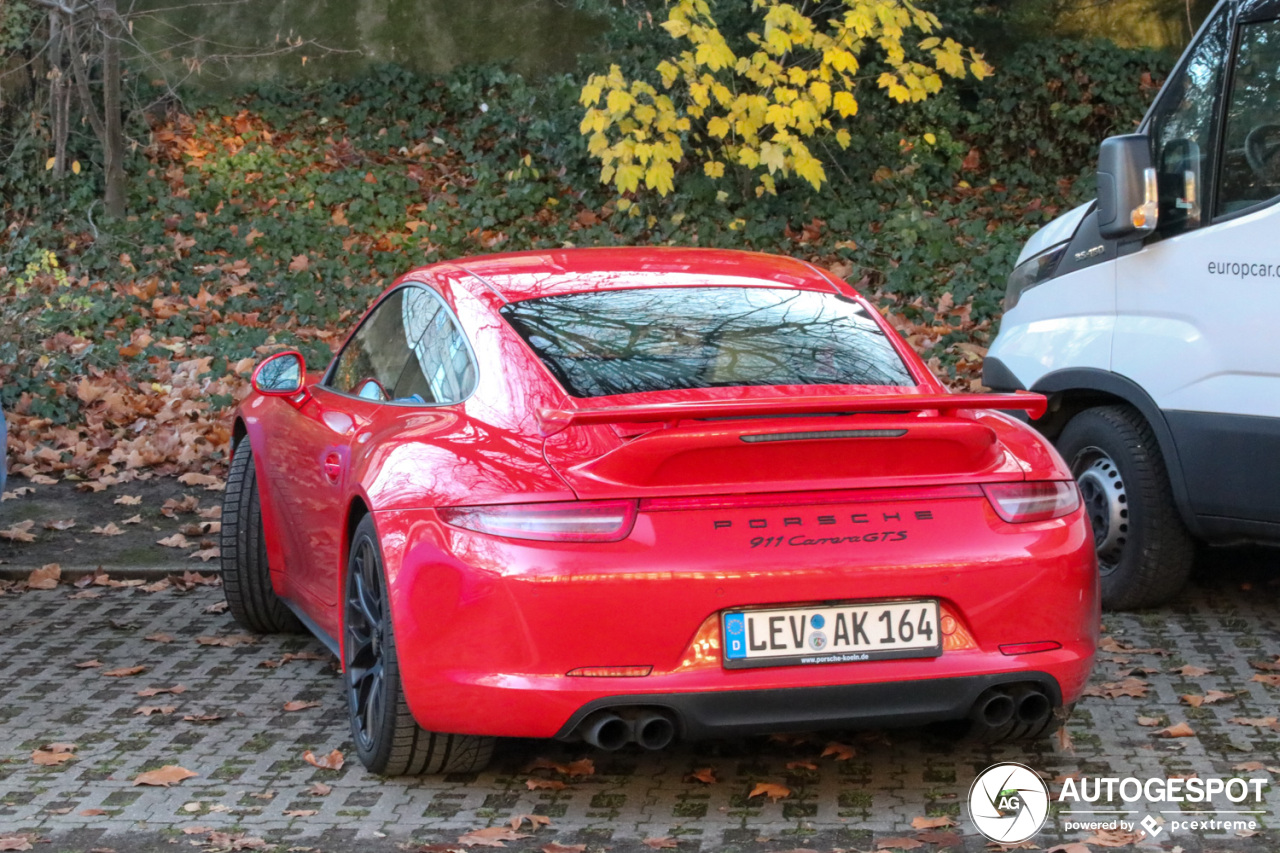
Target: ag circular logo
{"points": [[1008, 802]]}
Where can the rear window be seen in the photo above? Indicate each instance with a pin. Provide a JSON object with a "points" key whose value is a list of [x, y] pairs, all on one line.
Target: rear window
{"points": [[662, 339]]}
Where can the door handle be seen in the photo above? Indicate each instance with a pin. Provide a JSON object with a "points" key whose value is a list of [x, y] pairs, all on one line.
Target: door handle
{"points": [[333, 467]]}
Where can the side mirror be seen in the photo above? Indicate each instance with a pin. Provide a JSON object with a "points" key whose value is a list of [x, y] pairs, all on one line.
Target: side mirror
{"points": [[281, 375], [1128, 194]]}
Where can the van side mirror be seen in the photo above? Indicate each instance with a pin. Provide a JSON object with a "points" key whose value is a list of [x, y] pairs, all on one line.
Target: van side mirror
{"points": [[1128, 193]]}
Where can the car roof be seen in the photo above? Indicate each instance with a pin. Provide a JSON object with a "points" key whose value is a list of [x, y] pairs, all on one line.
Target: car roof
{"points": [[531, 275]]}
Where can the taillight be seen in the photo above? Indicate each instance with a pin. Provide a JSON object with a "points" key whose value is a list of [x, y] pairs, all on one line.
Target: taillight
{"points": [[1034, 501], [574, 521]]}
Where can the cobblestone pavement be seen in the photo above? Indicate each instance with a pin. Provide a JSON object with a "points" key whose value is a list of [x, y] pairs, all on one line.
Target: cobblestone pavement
{"points": [[255, 790]]}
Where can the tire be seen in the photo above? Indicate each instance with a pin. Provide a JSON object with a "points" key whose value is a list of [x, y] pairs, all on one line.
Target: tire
{"points": [[1145, 553], [246, 575], [388, 740]]}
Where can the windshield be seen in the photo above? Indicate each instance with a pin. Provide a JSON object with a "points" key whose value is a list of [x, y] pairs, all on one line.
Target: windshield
{"points": [[661, 339]]}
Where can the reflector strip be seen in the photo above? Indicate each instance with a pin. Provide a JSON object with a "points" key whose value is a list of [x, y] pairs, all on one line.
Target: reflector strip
{"points": [[826, 433], [611, 671], [834, 496], [1028, 648]]}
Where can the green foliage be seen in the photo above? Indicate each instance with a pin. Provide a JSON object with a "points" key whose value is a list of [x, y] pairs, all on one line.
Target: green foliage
{"points": [[274, 218]]}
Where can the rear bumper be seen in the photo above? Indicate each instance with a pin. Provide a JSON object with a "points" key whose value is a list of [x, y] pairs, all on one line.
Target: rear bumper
{"points": [[837, 706], [488, 629]]}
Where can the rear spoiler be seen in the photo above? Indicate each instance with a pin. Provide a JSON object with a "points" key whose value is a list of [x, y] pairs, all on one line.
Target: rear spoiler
{"points": [[555, 420]]}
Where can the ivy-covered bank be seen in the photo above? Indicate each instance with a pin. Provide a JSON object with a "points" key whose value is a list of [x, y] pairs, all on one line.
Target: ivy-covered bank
{"points": [[272, 219]]}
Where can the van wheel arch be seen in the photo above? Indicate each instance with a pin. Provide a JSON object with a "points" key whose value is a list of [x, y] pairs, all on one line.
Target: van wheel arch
{"points": [[1071, 392]]}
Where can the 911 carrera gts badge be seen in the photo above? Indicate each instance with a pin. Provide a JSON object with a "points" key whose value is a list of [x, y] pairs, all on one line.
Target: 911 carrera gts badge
{"points": [[827, 529], [824, 520]]}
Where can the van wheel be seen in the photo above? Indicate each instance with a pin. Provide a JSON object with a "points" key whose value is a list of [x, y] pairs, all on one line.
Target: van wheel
{"points": [[1144, 551]]}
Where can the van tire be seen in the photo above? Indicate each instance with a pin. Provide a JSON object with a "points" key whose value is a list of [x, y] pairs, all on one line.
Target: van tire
{"points": [[1145, 553]]}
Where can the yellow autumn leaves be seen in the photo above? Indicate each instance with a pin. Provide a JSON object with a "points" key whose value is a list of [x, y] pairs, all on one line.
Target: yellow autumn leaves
{"points": [[758, 109]]}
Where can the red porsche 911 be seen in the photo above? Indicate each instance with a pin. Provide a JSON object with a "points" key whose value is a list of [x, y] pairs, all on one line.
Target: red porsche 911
{"points": [[633, 495]]}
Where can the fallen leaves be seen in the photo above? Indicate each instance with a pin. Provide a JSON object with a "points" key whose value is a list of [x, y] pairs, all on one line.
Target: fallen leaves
{"points": [[544, 785], [1191, 671], [128, 500], [14, 842], [705, 775], [557, 847], [841, 751], [319, 789], [124, 671], [664, 843], [177, 540], [170, 774], [229, 641], [109, 529], [45, 577], [148, 710], [771, 790], [898, 844], [53, 754], [534, 820], [300, 705], [1176, 730], [61, 524], [581, 767], [1150, 721], [156, 691], [493, 836], [932, 822], [332, 761], [1256, 722], [210, 482], [20, 532], [1267, 678], [1195, 700], [1135, 687]]}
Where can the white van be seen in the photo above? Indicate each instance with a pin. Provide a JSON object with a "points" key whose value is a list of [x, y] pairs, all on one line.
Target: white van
{"points": [[1151, 317]]}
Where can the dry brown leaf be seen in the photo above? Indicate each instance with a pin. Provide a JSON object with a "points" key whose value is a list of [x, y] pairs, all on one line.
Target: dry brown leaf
{"points": [[841, 751], [191, 478], [148, 710], [943, 839], [769, 789], [535, 821], [1176, 730], [1114, 838], [202, 718], [53, 754], [581, 767], [61, 524], [898, 844], [159, 638], [332, 761], [124, 671], [173, 507], [931, 822], [92, 812], [158, 586], [156, 691], [300, 705], [128, 500], [205, 555], [1191, 671], [1258, 722], [1135, 687], [177, 540], [801, 765], [320, 789], [557, 847], [1150, 721], [89, 664], [45, 577], [170, 774], [133, 519], [14, 842], [1268, 678], [20, 532], [301, 813], [1110, 644], [1063, 738], [544, 785], [109, 529], [492, 836], [664, 843], [229, 641], [705, 775]]}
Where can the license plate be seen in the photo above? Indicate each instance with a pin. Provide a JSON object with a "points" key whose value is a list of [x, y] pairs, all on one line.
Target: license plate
{"points": [[835, 633]]}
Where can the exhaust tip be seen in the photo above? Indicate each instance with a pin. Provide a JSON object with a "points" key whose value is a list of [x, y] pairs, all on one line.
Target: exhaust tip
{"points": [[1033, 707], [993, 710], [654, 730], [606, 731]]}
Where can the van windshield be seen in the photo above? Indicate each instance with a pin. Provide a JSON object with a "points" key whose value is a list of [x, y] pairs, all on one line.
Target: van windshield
{"points": [[668, 338]]}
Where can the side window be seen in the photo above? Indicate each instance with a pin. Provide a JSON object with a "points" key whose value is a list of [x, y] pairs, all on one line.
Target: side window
{"points": [[1184, 127], [409, 350], [1251, 142]]}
